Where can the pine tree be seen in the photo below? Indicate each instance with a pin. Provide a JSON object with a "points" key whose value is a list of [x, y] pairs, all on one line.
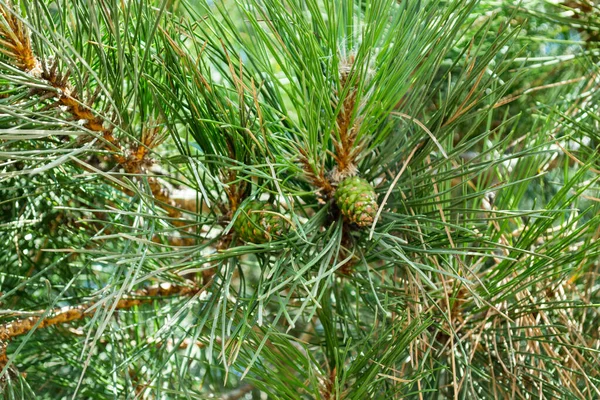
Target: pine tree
{"points": [[299, 199]]}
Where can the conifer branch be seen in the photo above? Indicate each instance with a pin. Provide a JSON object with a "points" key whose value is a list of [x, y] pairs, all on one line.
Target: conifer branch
{"points": [[63, 315], [477, 277], [15, 42], [68, 314]]}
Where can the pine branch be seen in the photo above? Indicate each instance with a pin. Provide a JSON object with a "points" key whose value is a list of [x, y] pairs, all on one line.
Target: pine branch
{"points": [[16, 44], [68, 314], [477, 281], [63, 315]]}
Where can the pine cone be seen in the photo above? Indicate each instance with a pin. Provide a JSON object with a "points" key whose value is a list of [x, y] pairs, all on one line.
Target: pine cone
{"points": [[258, 222], [355, 197]]}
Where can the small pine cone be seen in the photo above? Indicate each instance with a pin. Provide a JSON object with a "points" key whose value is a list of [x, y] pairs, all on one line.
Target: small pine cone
{"points": [[259, 222], [355, 197]]}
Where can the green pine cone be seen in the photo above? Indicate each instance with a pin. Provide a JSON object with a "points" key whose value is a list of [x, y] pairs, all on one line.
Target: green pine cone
{"points": [[355, 197], [259, 222]]}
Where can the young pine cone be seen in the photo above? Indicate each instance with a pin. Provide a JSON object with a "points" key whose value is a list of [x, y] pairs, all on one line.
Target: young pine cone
{"points": [[355, 197], [259, 222]]}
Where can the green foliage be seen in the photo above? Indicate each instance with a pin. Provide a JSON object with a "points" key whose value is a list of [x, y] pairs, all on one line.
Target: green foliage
{"points": [[475, 121]]}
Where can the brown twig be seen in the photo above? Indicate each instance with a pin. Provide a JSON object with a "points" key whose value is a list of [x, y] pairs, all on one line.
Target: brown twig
{"points": [[63, 315], [134, 161], [3, 345], [16, 44], [67, 314]]}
